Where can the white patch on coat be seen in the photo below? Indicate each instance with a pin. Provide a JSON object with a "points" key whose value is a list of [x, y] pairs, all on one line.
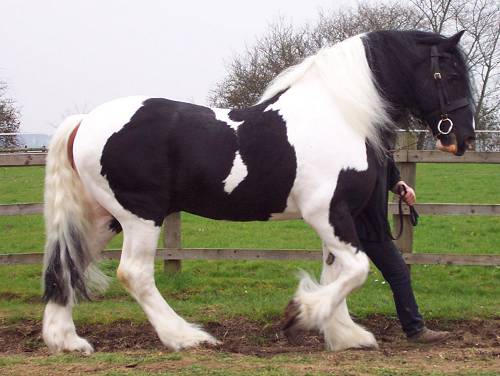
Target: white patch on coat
{"points": [[239, 170], [327, 128], [95, 130], [339, 77], [222, 114], [237, 174]]}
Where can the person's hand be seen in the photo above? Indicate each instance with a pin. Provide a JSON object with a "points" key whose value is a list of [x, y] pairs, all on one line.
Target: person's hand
{"points": [[410, 197]]}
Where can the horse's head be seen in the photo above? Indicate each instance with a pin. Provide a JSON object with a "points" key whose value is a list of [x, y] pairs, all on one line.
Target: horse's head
{"points": [[443, 94]]}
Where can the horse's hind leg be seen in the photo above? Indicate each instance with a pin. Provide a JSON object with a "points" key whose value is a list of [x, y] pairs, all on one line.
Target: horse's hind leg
{"points": [[136, 273], [315, 305], [59, 330]]}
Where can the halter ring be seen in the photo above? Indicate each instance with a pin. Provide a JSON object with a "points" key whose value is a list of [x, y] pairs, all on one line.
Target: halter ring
{"points": [[441, 122]]}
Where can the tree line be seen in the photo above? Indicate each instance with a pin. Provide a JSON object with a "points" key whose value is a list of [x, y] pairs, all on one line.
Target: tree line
{"points": [[284, 44], [9, 118]]}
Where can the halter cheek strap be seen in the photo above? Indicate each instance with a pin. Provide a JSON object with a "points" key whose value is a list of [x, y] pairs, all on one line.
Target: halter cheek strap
{"points": [[445, 105]]}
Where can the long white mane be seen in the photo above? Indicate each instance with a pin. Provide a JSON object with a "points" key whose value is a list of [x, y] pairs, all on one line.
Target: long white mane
{"points": [[344, 69]]}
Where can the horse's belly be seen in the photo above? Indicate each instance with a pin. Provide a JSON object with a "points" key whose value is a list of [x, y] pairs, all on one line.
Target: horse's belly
{"points": [[242, 205]]}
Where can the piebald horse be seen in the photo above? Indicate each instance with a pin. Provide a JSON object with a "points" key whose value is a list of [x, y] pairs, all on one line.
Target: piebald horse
{"points": [[308, 149]]}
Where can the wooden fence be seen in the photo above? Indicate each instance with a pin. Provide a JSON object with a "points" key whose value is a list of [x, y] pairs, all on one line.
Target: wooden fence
{"points": [[173, 253]]}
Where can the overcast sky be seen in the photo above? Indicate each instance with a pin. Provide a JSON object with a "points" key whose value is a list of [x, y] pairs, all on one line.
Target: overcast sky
{"points": [[64, 57]]}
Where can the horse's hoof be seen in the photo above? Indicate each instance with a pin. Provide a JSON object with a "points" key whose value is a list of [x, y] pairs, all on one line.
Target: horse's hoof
{"points": [[291, 322], [70, 343], [190, 336]]}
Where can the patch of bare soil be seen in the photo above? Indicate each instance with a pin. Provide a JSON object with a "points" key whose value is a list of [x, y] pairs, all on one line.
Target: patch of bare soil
{"points": [[240, 335], [473, 344]]}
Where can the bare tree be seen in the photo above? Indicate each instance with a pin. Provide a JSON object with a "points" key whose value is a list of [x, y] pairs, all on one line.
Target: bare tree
{"points": [[436, 14], [9, 119], [250, 72], [335, 26], [284, 45], [481, 21]]}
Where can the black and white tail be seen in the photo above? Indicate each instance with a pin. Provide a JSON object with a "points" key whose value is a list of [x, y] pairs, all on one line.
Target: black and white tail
{"points": [[68, 258]]}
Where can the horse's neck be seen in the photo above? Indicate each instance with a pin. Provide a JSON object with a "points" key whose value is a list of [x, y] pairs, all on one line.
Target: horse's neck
{"points": [[393, 71]]}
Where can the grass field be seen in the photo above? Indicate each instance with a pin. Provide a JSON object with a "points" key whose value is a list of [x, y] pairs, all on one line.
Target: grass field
{"points": [[216, 286], [208, 291]]}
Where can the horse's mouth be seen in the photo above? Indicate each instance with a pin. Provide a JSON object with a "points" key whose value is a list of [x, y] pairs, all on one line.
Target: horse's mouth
{"points": [[452, 148]]}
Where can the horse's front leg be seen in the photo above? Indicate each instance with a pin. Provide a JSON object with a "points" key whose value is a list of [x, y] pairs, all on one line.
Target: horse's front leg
{"points": [[340, 331], [322, 306]]}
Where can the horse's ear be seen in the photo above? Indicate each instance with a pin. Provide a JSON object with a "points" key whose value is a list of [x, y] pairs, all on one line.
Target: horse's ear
{"points": [[452, 42]]}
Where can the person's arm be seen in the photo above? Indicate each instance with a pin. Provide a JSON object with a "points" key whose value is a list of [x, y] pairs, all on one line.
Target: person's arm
{"points": [[394, 182], [393, 174]]}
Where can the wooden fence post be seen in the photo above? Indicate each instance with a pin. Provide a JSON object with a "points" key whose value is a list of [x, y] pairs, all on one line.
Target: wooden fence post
{"points": [[172, 239], [408, 170]]}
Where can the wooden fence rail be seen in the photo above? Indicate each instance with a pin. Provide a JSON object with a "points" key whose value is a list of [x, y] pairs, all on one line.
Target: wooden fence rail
{"points": [[402, 156], [176, 255], [173, 253], [423, 209]]}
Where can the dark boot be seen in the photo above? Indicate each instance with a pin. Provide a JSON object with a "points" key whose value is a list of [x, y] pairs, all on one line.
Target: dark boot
{"points": [[429, 336]]}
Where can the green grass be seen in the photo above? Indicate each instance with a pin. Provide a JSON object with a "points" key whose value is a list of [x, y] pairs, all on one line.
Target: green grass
{"points": [[21, 184], [215, 363], [205, 291], [459, 183]]}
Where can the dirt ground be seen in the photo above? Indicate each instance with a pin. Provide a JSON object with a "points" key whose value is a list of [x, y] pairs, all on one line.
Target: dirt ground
{"points": [[474, 345]]}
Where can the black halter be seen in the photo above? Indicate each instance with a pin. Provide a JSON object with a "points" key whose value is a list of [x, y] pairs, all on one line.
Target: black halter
{"points": [[445, 106]]}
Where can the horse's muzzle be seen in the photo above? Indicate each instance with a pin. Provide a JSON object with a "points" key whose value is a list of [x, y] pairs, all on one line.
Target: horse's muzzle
{"points": [[452, 148]]}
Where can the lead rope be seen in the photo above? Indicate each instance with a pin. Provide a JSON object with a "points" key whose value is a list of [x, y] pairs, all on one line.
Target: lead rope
{"points": [[413, 214]]}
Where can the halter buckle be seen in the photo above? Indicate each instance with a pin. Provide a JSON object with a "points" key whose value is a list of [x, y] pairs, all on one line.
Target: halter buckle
{"points": [[445, 119]]}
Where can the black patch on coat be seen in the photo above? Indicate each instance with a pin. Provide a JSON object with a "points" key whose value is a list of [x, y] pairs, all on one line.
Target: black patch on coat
{"points": [[174, 156], [353, 191]]}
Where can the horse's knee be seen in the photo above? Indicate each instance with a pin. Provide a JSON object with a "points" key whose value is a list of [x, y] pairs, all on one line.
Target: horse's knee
{"points": [[355, 266]]}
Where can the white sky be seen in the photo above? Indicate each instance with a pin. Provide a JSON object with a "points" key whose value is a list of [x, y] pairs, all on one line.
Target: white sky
{"points": [[64, 57]]}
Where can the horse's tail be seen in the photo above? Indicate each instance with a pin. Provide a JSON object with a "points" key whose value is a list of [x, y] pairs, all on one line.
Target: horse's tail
{"points": [[68, 257]]}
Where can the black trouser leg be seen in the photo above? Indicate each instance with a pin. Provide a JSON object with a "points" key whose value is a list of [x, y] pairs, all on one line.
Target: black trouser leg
{"points": [[389, 261]]}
